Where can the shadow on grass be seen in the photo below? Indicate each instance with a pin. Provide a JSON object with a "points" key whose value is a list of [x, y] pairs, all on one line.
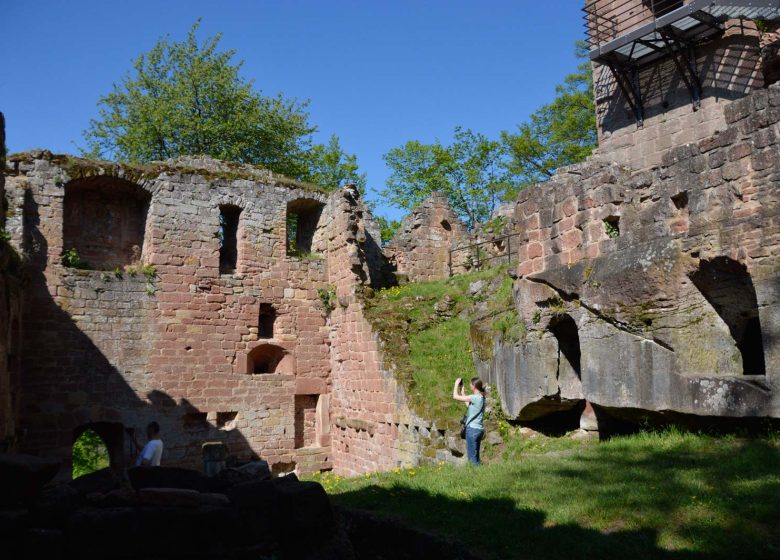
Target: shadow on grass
{"points": [[686, 501]]}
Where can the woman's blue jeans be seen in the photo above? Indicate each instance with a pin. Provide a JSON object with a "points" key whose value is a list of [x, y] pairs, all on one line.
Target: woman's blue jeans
{"points": [[473, 441]]}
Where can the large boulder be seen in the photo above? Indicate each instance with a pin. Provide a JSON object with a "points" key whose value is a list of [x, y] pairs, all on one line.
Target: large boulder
{"points": [[229, 477], [101, 482], [23, 476], [181, 498], [288, 508], [53, 506], [160, 532], [167, 477]]}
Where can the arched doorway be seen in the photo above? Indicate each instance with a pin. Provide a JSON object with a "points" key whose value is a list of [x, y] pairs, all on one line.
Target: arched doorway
{"points": [[96, 446]]}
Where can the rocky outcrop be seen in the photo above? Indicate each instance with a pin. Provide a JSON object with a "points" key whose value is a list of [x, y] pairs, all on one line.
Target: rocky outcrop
{"points": [[655, 291]]}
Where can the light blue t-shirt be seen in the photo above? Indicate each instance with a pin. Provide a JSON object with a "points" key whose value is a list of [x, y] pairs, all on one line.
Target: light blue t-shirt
{"points": [[475, 411]]}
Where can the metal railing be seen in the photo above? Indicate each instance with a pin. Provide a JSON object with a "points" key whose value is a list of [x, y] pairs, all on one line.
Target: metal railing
{"points": [[606, 20], [477, 256]]}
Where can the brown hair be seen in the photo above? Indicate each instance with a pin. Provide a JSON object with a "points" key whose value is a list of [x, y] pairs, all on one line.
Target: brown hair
{"points": [[478, 384]]}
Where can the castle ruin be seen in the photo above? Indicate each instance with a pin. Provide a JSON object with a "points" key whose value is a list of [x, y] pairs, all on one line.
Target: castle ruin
{"points": [[225, 302]]}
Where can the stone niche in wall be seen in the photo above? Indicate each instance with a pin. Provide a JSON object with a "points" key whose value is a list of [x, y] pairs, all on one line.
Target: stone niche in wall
{"points": [[104, 221], [268, 358]]}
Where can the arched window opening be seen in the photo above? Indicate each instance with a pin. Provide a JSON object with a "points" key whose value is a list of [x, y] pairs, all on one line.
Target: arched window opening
{"points": [[565, 331], [104, 220], [90, 453], [728, 288], [229, 217], [303, 223], [266, 321], [96, 446], [446, 225], [269, 358]]}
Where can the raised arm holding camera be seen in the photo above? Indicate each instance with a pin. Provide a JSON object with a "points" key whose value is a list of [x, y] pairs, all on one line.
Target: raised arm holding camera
{"points": [[473, 428]]}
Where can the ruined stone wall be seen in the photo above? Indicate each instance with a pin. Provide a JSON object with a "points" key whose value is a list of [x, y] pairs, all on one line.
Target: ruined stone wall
{"points": [[169, 337], [10, 324], [372, 427], [420, 249], [654, 290], [729, 66]]}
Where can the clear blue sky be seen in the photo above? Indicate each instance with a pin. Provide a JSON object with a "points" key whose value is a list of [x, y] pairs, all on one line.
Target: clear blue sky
{"points": [[378, 73]]}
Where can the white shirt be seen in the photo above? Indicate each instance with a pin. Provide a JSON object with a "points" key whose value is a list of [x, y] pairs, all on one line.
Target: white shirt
{"points": [[151, 452]]}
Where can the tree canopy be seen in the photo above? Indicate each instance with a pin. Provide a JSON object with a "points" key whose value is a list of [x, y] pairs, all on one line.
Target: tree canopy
{"points": [[330, 167], [189, 98], [560, 133], [471, 172], [477, 173]]}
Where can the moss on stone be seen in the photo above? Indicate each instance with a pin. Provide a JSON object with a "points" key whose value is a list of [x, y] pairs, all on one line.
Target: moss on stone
{"points": [[79, 168]]}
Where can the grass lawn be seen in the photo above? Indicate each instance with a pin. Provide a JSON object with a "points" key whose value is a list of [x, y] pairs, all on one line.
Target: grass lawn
{"points": [[651, 495]]}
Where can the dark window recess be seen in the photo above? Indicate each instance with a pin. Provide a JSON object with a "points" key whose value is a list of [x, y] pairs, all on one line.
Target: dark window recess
{"points": [[680, 200], [446, 225], [728, 288], [303, 217], [612, 226], [662, 7], [226, 420], [565, 331], [195, 421], [266, 321], [229, 217]]}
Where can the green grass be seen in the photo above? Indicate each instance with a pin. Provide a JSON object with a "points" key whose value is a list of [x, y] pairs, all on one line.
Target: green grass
{"points": [[438, 355], [429, 351], [668, 495]]}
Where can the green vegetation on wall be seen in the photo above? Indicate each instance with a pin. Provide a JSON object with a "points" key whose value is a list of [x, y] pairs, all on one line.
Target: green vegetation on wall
{"points": [[425, 329]]}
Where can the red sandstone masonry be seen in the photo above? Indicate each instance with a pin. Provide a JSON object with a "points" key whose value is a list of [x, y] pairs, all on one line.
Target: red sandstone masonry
{"points": [[123, 348]]}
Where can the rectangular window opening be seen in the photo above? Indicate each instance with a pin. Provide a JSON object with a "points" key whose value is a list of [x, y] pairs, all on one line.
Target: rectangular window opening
{"points": [[229, 217]]}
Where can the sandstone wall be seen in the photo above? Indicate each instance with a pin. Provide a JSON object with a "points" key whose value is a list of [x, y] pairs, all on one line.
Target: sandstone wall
{"points": [[653, 290], [372, 427], [116, 348], [729, 66], [421, 248], [10, 325]]}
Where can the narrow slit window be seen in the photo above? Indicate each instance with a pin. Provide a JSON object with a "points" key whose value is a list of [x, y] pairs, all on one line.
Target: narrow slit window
{"points": [[229, 217], [266, 321]]}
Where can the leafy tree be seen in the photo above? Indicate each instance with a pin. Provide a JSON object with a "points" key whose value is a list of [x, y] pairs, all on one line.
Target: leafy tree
{"points": [[471, 172], [186, 98], [90, 454], [331, 167], [558, 134], [388, 228]]}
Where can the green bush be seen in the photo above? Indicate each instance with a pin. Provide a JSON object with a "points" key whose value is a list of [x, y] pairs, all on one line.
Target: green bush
{"points": [[71, 259]]}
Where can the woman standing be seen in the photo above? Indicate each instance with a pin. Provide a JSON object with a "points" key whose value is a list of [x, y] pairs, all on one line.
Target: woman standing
{"points": [[475, 412]]}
